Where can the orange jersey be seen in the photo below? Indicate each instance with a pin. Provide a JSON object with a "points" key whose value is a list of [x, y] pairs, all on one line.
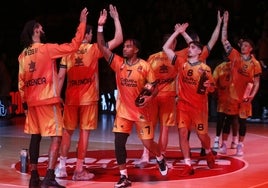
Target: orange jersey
{"points": [[82, 75], [188, 81], [243, 72], [38, 79], [130, 80], [165, 72], [222, 77]]}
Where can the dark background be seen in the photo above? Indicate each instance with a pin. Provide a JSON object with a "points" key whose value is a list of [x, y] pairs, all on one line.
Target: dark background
{"points": [[146, 21]]}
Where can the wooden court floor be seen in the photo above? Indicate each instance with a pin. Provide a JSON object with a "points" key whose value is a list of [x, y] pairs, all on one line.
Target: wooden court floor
{"points": [[254, 175]]}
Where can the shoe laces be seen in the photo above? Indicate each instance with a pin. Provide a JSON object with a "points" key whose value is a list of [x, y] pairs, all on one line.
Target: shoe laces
{"points": [[162, 164], [122, 179]]}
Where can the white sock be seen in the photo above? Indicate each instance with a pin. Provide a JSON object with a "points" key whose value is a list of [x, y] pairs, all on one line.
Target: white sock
{"points": [[124, 172], [235, 139], [62, 161], [79, 165], [217, 138], [159, 158], [145, 152], [187, 161]]}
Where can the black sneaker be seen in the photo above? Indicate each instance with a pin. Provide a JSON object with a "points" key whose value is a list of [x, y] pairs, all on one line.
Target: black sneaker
{"points": [[123, 182], [47, 183], [162, 167], [49, 180], [34, 180]]}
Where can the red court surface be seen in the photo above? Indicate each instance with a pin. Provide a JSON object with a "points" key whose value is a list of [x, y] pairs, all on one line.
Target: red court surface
{"points": [[249, 171]]}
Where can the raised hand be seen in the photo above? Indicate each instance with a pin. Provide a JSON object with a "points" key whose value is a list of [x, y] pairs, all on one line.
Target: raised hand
{"points": [[102, 18], [113, 11], [219, 17], [225, 16], [83, 15], [180, 28]]}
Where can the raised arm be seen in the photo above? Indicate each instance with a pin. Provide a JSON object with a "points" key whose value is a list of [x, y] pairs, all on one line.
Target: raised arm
{"points": [[224, 37], [167, 48], [118, 35], [186, 37], [100, 38], [216, 32]]}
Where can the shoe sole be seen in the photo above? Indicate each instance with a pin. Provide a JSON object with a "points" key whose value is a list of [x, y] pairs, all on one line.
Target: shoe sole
{"points": [[60, 175], [64, 176], [164, 172], [83, 179], [222, 152]]}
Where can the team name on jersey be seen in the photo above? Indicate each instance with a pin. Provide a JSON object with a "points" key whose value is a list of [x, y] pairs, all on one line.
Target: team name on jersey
{"points": [[34, 82], [81, 51], [128, 82], [30, 51], [80, 82], [167, 80], [190, 81], [161, 59], [243, 71]]}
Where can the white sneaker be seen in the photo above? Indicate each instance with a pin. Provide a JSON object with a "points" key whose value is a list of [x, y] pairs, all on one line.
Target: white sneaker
{"points": [[216, 145], [223, 149], [239, 150], [142, 162], [61, 172], [233, 145], [84, 175]]}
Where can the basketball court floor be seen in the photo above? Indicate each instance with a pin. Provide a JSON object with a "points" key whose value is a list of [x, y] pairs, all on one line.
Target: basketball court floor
{"points": [[249, 171]]}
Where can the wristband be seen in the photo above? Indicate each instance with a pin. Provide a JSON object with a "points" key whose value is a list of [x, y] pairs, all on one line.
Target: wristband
{"points": [[100, 28]]}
